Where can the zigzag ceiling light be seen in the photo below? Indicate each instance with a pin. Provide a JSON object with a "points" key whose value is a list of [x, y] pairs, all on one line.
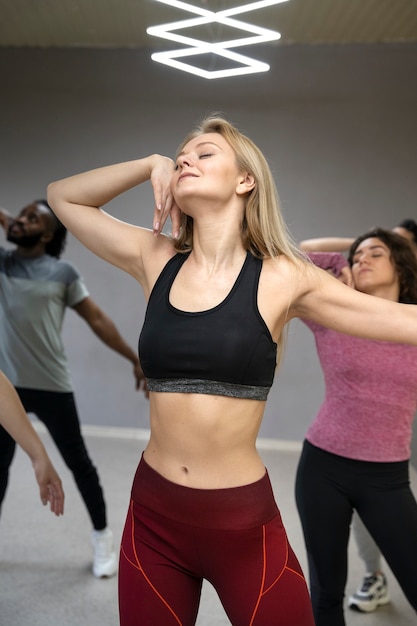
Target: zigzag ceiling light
{"points": [[242, 64]]}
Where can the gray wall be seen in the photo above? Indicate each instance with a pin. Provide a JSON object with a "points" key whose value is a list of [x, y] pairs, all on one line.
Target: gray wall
{"points": [[337, 124]]}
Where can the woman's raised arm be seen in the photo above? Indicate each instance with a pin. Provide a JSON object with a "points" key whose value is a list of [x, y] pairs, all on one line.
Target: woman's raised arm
{"points": [[78, 201], [327, 244]]}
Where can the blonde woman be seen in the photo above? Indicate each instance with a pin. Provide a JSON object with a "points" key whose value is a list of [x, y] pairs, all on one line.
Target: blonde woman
{"points": [[220, 292]]}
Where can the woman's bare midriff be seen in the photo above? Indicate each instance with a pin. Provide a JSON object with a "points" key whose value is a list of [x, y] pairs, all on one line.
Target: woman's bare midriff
{"points": [[204, 441]]}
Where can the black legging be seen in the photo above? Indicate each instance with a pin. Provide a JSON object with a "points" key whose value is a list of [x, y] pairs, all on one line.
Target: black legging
{"points": [[328, 488], [59, 414]]}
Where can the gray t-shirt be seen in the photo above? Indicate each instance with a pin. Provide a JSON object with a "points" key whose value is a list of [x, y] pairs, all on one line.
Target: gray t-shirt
{"points": [[34, 294]]}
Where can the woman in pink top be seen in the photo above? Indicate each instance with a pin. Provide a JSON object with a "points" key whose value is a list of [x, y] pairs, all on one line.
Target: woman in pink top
{"points": [[357, 448]]}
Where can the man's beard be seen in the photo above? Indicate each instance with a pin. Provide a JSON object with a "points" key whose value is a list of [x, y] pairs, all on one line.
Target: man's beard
{"points": [[25, 241]]}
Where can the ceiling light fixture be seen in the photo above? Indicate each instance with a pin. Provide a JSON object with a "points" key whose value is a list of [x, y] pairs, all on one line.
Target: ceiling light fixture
{"points": [[245, 65]]}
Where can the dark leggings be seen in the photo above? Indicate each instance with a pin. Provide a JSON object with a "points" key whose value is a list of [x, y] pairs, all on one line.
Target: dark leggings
{"points": [[176, 536], [59, 414], [328, 488]]}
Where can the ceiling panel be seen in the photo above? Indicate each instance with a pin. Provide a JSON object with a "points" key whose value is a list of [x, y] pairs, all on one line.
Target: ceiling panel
{"points": [[123, 23]]}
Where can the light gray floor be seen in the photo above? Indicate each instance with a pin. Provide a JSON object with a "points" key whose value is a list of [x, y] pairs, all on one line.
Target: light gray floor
{"points": [[45, 562]]}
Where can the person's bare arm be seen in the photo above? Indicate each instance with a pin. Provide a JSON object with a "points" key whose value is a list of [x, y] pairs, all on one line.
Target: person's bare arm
{"points": [[106, 330], [326, 301], [77, 202], [15, 420], [327, 244]]}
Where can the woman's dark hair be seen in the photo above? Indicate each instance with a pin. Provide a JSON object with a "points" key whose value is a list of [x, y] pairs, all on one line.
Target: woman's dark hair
{"points": [[56, 246], [411, 226], [403, 258]]}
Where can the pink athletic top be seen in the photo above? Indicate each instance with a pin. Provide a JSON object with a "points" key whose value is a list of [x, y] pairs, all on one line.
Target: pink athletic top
{"points": [[370, 392]]}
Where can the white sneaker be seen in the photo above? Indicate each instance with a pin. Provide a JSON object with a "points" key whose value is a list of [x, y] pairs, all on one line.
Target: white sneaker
{"points": [[372, 593], [105, 559]]}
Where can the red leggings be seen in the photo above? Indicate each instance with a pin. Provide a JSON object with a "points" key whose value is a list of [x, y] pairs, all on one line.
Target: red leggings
{"points": [[175, 537]]}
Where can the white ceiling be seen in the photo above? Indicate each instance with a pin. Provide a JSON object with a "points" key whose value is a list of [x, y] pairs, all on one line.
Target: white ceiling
{"points": [[123, 23]]}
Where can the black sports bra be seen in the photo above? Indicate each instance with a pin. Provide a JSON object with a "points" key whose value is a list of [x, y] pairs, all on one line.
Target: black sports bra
{"points": [[227, 350]]}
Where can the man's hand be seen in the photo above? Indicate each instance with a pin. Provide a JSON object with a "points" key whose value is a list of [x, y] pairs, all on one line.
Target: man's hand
{"points": [[140, 379], [5, 219]]}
